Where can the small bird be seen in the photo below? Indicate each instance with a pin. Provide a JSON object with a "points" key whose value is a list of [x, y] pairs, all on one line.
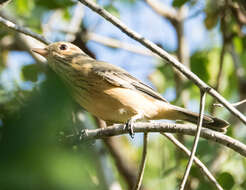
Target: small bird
{"points": [[111, 93]]}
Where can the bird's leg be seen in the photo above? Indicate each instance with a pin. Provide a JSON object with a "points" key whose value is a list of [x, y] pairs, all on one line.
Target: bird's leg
{"points": [[130, 122]]}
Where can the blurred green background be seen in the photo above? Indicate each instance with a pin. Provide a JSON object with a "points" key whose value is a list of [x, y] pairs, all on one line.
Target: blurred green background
{"points": [[38, 118]]}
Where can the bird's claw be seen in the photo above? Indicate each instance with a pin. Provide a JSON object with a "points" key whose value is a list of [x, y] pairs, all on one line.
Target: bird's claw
{"points": [[83, 133], [129, 126]]}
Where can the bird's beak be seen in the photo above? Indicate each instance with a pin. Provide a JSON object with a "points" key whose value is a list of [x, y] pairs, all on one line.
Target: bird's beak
{"points": [[41, 51]]}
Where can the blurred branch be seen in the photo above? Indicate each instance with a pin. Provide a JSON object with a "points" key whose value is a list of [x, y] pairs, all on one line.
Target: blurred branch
{"points": [[111, 42], [4, 2], [194, 147], [199, 164], [75, 22], [168, 12], [188, 129], [239, 13], [125, 168], [143, 163], [23, 30], [219, 76], [166, 56], [104, 167]]}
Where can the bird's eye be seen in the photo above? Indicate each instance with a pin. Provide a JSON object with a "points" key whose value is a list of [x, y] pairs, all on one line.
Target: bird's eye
{"points": [[63, 47]]}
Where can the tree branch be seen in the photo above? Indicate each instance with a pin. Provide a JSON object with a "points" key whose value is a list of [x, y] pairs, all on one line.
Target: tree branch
{"points": [[23, 30], [166, 56], [234, 104], [199, 164], [143, 163], [194, 147], [188, 129], [111, 42]]}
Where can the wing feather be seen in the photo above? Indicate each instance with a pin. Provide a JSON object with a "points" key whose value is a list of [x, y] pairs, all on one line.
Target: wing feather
{"points": [[121, 78]]}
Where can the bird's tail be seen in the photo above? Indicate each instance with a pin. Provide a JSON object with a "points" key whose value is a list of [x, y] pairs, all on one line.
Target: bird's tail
{"points": [[210, 122]]}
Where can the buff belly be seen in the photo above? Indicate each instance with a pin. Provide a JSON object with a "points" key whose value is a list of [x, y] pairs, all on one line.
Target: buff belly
{"points": [[117, 105]]}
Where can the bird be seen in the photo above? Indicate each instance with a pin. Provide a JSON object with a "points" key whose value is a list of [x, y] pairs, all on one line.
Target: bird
{"points": [[111, 93]]}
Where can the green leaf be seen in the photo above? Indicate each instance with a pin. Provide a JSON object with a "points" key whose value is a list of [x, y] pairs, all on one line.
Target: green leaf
{"points": [[211, 21], [243, 185], [226, 180], [238, 43], [66, 14], [179, 3], [212, 10], [55, 4], [198, 64], [24, 7], [30, 72]]}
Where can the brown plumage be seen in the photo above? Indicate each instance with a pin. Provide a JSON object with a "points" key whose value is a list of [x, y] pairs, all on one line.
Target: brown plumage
{"points": [[111, 93]]}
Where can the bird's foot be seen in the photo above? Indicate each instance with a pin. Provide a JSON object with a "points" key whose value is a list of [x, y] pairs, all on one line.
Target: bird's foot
{"points": [[129, 126]]}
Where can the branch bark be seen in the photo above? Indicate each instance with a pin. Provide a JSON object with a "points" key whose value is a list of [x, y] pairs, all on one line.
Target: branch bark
{"points": [[188, 129], [23, 30]]}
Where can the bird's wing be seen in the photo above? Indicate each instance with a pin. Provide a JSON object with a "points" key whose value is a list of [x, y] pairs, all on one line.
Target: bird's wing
{"points": [[119, 77]]}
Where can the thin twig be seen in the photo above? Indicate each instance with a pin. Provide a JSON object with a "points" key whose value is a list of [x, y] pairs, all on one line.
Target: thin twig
{"points": [[199, 164], [166, 56], [23, 30], [193, 151], [188, 129], [143, 163], [234, 104]]}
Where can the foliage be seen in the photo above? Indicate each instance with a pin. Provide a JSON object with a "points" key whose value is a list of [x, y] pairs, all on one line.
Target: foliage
{"points": [[37, 113]]}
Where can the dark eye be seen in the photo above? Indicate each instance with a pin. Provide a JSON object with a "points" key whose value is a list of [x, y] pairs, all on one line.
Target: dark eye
{"points": [[63, 47]]}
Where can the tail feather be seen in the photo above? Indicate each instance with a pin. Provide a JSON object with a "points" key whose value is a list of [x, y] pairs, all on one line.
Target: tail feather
{"points": [[210, 122]]}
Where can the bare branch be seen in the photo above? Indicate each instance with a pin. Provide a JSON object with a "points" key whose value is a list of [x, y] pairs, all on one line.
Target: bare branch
{"points": [[199, 164], [166, 56], [194, 147], [75, 22], [188, 129], [23, 30], [143, 163], [111, 42]]}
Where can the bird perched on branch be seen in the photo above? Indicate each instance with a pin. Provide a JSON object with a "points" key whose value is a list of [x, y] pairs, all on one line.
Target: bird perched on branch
{"points": [[111, 93]]}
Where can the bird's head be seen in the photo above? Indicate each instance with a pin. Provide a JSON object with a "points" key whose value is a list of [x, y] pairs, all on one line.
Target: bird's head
{"points": [[58, 50]]}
